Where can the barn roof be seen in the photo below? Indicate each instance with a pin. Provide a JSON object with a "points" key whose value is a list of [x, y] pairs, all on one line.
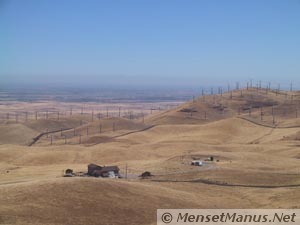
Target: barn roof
{"points": [[92, 165], [109, 168]]}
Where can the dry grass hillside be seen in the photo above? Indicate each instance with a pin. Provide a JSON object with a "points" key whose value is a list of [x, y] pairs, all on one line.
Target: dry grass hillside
{"points": [[256, 162], [257, 104], [93, 132], [16, 134], [97, 201], [43, 125]]}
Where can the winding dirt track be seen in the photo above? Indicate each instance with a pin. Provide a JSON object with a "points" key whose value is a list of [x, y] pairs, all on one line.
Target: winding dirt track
{"points": [[42, 134], [125, 134], [208, 182], [266, 125]]}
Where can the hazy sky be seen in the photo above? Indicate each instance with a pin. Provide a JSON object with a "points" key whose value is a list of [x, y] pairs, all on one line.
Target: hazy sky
{"points": [[154, 42]]}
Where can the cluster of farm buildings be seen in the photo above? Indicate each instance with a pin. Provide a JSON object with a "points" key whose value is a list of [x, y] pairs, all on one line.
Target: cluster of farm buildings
{"points": [[96, 171]]}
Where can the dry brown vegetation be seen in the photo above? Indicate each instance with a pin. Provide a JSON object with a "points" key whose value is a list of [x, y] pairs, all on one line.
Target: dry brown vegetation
{"points": [[257, 152]]}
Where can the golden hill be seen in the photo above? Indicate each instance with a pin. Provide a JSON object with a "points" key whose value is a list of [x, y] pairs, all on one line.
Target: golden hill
{"points": [[16, 134], [42, 125], [100, 201], [251, 103], [256, 162]]}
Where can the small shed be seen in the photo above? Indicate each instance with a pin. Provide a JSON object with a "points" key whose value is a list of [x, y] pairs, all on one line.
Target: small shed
{"points": [[145, 175], [68, 173]]}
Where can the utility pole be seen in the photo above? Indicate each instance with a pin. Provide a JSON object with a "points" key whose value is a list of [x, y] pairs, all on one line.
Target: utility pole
{"points": [[119, 112], [273, 116], [261, 114], [106, 112]]}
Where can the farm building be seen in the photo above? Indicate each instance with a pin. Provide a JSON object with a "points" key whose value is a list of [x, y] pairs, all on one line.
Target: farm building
{"points": [[92, 167], [103, 171]]}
